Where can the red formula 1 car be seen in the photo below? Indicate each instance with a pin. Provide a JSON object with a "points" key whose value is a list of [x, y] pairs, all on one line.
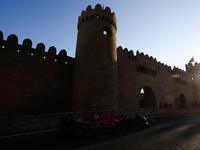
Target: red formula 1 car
{"points": [[101, 122]]}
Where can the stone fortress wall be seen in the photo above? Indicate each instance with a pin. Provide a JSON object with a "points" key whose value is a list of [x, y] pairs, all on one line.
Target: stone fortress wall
{"points": [[159, 81], [33, 81], [102, 76]]}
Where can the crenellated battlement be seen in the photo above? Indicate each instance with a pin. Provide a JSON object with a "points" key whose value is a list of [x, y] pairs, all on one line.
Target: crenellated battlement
{"points": [[164, 65], [146, 58], [193, 69], [176, 69], [125, 52], [164, 68], [146, 64], [32, 78], [180, 76], [11, 46], [97, 13]]}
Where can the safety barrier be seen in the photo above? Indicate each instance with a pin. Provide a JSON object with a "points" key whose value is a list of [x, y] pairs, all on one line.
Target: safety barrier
{"points": [[25, 124]]}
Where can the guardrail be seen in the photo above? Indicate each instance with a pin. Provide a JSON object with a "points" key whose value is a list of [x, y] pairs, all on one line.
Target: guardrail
{"points": [[25, 124]]}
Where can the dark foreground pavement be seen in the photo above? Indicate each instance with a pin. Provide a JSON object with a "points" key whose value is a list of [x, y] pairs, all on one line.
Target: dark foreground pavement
{"points": [[170, 132]]}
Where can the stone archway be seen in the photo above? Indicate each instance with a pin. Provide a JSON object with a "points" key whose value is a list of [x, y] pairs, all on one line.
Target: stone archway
{"points": [[182, 101], [147, 98]]}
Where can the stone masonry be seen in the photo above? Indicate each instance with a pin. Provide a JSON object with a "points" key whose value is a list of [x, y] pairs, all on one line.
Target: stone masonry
{"points": [[102, 76]]}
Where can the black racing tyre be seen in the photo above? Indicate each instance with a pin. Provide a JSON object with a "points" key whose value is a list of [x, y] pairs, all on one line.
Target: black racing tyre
{"points": [[140, 122], [78, 130]]}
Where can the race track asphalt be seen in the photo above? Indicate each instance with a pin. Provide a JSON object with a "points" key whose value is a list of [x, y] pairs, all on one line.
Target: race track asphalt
{"points": [[169, 133]]}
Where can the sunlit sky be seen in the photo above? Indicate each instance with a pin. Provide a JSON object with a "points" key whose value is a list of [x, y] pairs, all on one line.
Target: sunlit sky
{"points": [[167, 30]]}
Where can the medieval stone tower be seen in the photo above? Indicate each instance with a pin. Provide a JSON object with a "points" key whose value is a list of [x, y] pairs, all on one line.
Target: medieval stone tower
{"points": [[96, 80], [194, 74]]}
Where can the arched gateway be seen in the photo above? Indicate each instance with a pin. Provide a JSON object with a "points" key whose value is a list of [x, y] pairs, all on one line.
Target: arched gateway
{"points": [[147, 98], [182, 101]]}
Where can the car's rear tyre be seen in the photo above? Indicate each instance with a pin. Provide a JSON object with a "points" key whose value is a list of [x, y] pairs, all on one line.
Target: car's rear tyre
{"points": [[78, 130]]}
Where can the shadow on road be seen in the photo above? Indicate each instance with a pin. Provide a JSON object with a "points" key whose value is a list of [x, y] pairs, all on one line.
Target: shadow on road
{"points": [[179, 128]]}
